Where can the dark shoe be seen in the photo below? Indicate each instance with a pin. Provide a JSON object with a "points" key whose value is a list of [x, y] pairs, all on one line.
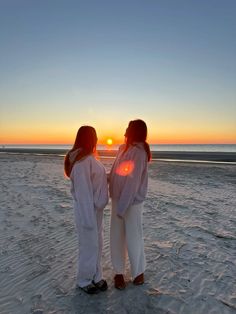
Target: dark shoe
{"points": [[119, 282], [90, 289], [139, 280], [101, 285]]}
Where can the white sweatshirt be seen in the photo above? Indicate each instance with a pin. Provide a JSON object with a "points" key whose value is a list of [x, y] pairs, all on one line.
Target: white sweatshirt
{"points": [[129, 177], [89, 190]]}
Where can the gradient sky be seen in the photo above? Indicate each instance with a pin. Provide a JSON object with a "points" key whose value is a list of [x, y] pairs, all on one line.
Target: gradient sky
{"points": [[66, 63]]}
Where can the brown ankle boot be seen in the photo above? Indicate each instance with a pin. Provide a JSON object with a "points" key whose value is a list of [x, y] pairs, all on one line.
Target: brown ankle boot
{"points": [[139, 280], [119, 282]]}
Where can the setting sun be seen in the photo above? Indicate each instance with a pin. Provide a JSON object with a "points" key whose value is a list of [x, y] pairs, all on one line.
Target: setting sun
{"points": [[109, 141]]}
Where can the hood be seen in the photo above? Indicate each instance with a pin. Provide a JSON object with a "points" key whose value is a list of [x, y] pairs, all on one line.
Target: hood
{"points": [[73, 154]]}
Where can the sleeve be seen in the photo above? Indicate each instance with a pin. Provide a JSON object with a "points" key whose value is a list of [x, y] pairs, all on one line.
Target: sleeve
{"points": [[83, 195], [100, 186], [131, 184], [115, 162]]}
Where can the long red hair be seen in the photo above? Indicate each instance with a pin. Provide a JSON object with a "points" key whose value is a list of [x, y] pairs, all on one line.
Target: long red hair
{"points": [[85, 142], [136, 133]]}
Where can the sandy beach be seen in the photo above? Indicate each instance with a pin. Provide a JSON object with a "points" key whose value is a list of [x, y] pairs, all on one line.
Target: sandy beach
{"points": [[189, 232]]}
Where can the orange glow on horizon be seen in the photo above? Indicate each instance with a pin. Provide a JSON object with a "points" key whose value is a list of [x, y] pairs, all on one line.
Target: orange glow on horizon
{"points": [[160, 142], [62, 137]]}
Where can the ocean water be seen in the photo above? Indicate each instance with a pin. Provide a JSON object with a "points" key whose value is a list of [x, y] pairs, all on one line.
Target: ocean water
{"points": [[223, 148]]}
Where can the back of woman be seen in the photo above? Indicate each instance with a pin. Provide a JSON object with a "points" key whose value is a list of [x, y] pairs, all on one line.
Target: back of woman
{"points": [[90, 196], [128, 189], [129, 177]]}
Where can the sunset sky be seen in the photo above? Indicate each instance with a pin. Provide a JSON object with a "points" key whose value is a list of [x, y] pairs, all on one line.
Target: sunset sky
{"points": [[66, 63]]}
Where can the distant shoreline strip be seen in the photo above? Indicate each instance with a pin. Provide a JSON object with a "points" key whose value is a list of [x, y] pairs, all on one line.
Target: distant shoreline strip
{"points": [[165, 155]]}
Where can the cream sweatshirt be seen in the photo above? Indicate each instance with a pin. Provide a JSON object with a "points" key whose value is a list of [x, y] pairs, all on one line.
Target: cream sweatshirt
{"points": [[129, 177], [89, 189]]}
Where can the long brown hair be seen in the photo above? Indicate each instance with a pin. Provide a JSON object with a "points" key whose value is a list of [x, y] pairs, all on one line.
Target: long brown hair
{"points": [[136, 133], [85, 142]]}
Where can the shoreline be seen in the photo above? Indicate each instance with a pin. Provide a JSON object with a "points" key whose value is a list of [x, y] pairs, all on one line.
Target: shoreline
{"points": [[188, 229], [193, 156]]}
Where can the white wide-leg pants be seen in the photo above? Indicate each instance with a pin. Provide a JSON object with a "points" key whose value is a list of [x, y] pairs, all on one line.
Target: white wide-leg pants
{"points": [[126, 236], [90, 252]]}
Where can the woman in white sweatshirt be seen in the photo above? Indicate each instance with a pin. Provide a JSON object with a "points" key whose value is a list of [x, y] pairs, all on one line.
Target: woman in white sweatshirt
{"points": [[128, 189], [90, 195]]}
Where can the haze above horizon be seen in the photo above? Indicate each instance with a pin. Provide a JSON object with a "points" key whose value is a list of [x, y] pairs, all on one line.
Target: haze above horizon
{"points": [[103, 63]]}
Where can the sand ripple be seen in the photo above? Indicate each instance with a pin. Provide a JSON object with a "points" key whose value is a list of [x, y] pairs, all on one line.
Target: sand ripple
{"points": [[190, 241]]}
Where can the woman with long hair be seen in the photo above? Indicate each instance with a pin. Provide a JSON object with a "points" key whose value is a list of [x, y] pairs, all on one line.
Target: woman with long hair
{"points": [[128, 189], [90, 196]]}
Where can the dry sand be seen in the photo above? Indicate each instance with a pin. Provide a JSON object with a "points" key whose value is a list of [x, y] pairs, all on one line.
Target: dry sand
{"points": [[190, 241]]}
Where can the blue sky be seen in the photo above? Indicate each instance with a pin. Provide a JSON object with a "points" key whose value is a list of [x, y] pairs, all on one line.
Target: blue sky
{"points": [[67, 63]]}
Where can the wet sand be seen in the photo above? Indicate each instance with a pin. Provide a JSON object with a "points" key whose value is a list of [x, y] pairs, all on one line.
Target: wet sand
{"points": [[189, 232], [163, 155]]}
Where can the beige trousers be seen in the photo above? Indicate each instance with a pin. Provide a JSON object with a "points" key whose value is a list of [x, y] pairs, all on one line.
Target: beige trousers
{"points": [[126, 236], [89, 266]]}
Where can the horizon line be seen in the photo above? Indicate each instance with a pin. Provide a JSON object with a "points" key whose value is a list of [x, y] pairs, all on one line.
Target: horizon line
{"points": [[68, 144]]}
